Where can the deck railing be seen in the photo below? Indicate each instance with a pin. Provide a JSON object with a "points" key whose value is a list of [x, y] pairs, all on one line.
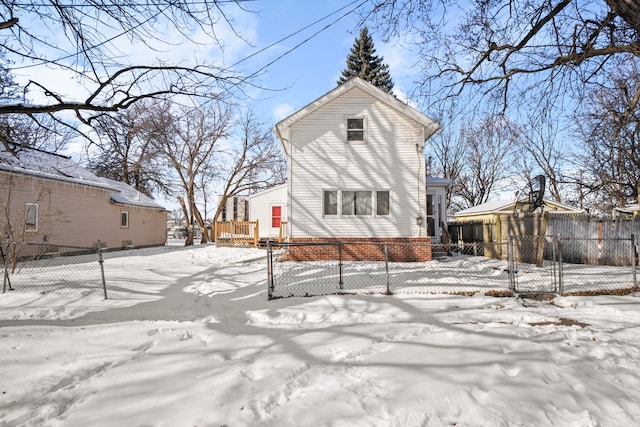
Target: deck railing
{"points": [[236, 233]]}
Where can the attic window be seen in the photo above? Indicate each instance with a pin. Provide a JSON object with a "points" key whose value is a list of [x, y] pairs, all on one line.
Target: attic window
{"points": [[355, 130]]}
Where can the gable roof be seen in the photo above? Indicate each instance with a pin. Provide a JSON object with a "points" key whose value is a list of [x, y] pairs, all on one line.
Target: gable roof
{"points": [[33, 162], [268, 191], [431, 126], [507, 206]]}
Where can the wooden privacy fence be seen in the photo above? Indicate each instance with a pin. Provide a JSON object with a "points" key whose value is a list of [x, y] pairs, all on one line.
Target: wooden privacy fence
{"points": [[593, 240], [236, 233]]}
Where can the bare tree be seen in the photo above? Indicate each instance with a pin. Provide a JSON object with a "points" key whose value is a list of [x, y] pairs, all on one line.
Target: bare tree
{"points": [[191, 139], [488, 152], [448, 159], [545, 48], [540, 150], [253, 164], [124, 153], [16, 130], [79, 37], [610, 131]]}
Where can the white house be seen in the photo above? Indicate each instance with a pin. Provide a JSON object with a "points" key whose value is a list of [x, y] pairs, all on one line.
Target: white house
{"points": [[269, 208], [356, 167], [236, 208]]}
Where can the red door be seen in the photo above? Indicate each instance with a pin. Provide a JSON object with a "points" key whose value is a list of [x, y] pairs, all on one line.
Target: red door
{"points": [[276, 216]]}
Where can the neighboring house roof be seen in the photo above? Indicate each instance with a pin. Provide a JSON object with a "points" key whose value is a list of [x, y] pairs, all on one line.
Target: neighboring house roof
{"points": [[433, 181], [507, 206], [61, 168], [429, 125], [267, 191], [628, 210]]}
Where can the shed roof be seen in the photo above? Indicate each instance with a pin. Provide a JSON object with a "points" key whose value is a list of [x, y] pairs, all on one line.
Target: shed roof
{"points": [[507, 206]]}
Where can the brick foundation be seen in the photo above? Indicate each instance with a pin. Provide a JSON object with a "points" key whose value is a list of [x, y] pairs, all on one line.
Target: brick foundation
{"points": [[416, 249]]}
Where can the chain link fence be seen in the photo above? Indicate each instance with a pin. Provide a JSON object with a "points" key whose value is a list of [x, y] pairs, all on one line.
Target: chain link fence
{"points": [[530, 264], [43, 268], [450, 272]]}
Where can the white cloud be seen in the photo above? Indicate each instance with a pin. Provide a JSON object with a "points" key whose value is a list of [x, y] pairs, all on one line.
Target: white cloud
{"points": [[282, 111]]}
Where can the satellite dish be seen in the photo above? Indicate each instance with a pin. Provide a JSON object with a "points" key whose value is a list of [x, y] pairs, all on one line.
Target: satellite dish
{"points": [[532, 197]]}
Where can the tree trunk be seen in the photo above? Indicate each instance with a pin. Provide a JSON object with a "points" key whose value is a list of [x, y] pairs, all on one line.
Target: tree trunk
{"points": [[189, 240], [629, 10]]}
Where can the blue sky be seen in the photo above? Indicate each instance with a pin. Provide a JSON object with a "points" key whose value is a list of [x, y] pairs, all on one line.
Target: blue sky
{"points": [[297, 76], [313, 68]]}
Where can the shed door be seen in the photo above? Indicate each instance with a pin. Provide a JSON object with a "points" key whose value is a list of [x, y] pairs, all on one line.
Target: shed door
{"points": [[276, 216]]}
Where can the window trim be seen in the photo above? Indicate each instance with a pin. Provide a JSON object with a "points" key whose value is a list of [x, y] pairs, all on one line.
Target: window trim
{"points": [[388, 215], [27, 225], [123, 215], [324, 204], [347, 130]]}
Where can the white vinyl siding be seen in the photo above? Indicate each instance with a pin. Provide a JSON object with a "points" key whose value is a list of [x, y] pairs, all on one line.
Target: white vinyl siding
{"points": [[390, 160], [261, 208]]}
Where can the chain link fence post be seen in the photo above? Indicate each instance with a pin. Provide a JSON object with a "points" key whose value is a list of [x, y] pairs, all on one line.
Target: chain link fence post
{"points": [[5, 256], [340, 279], [560, 266], [101, 262], [270, 284], [386, 266], [633, 262], [511, 265]]}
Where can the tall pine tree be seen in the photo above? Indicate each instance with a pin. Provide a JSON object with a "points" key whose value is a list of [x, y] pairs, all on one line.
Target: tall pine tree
{"points": [[363, 62]]}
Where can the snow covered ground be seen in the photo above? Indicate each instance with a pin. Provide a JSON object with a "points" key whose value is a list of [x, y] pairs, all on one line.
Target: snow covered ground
{"points": [[188, 338]]}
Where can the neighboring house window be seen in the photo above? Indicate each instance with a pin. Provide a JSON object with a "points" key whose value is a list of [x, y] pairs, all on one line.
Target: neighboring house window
{"points": [[355, 130], [124, 219], [383, 203], [31, 217], [276, 216], [330, 203], [356, 203]]}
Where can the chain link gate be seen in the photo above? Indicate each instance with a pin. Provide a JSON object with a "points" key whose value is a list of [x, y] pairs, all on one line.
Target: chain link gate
{"points": [[535, 264]]}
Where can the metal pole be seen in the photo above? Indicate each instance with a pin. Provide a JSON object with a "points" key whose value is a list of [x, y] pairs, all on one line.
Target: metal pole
{"points": [[512, 264], [101, 262], [554, 261], [340, 282], [386, 265], [5, 255], [270, 284], [560, 271], [633, 262]]}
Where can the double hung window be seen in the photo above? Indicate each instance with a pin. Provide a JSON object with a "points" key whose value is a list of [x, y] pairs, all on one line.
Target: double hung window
{"points": [[355, 130]]}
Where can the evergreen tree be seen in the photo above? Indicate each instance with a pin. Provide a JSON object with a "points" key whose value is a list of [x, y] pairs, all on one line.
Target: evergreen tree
{"points": [[363, 62]]}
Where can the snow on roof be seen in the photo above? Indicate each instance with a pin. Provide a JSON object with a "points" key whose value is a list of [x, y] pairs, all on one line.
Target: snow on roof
{"points": [[61, 168], [498, 206]]}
